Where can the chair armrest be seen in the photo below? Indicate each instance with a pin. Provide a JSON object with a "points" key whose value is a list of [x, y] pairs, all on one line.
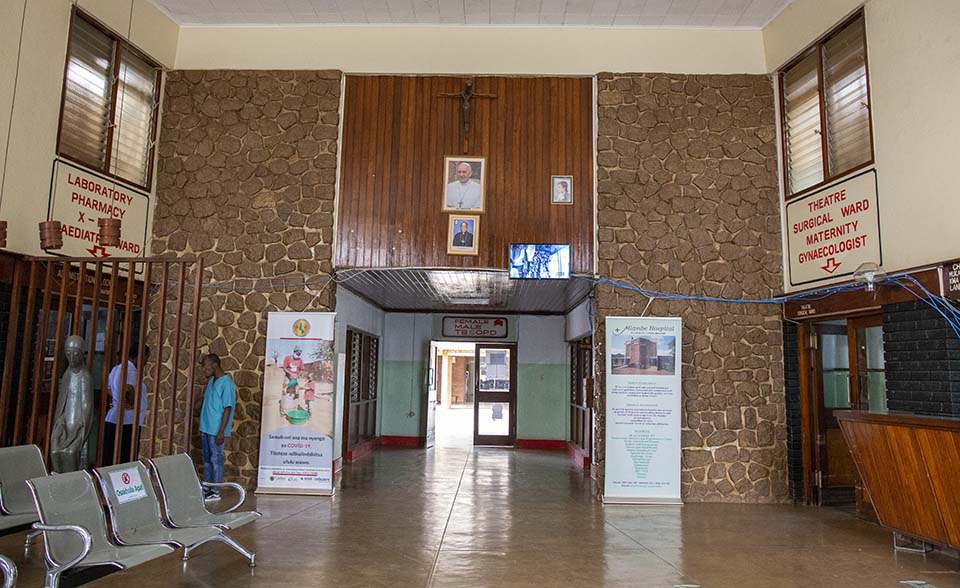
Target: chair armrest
{"points": [[237, 487], [9, 572], [84, 536]]}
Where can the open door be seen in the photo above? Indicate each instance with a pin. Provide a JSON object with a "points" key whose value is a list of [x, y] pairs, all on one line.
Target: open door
{"points": [[495, 399], [430, 434]]}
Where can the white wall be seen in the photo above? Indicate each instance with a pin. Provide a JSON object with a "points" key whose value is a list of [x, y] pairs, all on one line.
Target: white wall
{"points": [[579, 321], [477, 50], [913, 55], [33, 46], [355, 312]]}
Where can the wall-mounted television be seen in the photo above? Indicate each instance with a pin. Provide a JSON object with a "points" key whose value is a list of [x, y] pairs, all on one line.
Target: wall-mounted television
{"points": [[539, 262]]}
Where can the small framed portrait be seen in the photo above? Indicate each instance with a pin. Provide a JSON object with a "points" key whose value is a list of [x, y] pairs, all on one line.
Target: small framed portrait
{"points": [[561, 189], [463, 234], [464, 183]]}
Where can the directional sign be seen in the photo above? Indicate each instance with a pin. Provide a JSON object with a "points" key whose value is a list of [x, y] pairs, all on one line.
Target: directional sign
{"points": [[475, 327], [832, 231], [79, 197]]}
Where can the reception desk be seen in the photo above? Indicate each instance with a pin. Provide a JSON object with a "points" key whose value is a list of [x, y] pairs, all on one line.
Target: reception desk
{"points": [[910, 466]]}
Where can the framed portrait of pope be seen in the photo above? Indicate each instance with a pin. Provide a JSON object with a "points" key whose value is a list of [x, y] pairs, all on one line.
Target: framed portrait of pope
{"points": [[464, 183]]}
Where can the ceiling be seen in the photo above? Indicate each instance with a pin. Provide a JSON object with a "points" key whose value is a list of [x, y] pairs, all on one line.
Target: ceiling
{"points": [[750, 14], [420, 290]]}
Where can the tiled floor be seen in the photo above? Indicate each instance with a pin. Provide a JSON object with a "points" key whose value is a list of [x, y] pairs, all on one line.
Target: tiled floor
{"points": [[462, 518]]}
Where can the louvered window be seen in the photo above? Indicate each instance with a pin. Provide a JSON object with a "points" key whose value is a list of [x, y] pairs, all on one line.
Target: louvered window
{"points": [[826, 110], [801, 100], [109, 105]]}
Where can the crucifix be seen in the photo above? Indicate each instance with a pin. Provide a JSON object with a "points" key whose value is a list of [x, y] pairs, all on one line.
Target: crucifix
{"points": [[465, 97]]}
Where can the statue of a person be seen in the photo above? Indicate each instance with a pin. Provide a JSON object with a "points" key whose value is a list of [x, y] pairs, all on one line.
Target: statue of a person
{"points": [[74, 416]]}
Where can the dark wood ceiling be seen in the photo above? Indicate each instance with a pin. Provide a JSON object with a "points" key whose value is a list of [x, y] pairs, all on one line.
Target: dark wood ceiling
{"points": [[426, 290]]}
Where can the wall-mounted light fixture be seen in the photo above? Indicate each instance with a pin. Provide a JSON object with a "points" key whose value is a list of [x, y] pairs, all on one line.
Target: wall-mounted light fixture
{"points": [[869, 273], [109, 232], [50, 236]]}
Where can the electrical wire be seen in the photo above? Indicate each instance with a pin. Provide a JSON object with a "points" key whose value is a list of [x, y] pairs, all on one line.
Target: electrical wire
{"points": [[941, 305]]}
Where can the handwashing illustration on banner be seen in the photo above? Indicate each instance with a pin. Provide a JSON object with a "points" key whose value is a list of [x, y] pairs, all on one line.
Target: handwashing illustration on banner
{"points": [[296, 427]]}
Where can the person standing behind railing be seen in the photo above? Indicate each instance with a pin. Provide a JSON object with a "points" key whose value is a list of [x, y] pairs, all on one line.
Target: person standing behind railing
{"points": [[216, 420], [110, 424]]}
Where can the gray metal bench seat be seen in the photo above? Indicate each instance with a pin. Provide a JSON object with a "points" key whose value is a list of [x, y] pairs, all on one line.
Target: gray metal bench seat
{"points": [[75, 530], [17, 465], [182, 495], [136, 518]]}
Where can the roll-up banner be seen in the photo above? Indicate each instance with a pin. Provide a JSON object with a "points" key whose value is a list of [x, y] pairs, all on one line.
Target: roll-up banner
{"points": [[642, 461], [296, 423]]}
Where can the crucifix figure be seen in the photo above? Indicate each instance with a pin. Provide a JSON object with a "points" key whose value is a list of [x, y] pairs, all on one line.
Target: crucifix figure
{"points": [[465, 97]]}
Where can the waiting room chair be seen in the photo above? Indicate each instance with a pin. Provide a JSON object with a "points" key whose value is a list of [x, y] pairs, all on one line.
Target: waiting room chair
{"points": [[75, 529], [17, 465], [140, 522], [182, 495]]}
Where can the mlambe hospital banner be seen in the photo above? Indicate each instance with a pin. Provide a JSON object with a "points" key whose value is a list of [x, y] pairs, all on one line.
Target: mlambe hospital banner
{"points": [[296, 423], [642, 410]]}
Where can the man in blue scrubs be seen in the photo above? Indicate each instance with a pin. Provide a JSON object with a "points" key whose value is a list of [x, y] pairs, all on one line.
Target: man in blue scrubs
{"points": [[216, 420]]}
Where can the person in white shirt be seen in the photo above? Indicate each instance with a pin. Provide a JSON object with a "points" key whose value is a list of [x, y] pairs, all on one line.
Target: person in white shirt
{"points": [[110, 424], [464, 193]]}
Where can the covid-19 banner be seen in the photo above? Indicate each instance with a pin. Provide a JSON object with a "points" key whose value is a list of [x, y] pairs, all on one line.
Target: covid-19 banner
{"points": [[296, 425], [642, 410]]}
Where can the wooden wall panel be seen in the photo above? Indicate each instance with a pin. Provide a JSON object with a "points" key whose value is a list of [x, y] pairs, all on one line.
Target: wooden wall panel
{"points": [[908, 464], [397, 131]]}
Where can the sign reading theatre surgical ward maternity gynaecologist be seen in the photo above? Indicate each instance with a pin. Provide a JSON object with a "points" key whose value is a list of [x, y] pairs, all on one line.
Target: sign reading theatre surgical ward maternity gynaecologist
{"points": [[642, 410], [79, 198], [832, 231], [296, 423]]}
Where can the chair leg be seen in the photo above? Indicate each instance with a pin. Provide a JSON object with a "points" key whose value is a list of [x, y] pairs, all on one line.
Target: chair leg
{"points": [[240, 548], [187, 550], [53, 578]]}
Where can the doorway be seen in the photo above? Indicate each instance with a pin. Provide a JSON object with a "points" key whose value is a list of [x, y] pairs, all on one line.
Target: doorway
{"points": [[360, 409], [472, 395], [454, 391], [495, 406], [847, 368]]}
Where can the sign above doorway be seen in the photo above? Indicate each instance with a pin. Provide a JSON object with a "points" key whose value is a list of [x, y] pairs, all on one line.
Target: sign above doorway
{"points": [[832, 231], [475, 327]]}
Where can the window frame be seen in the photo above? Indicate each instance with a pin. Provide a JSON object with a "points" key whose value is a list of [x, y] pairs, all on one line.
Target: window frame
{"points": [[817, 47], [119, 44]]}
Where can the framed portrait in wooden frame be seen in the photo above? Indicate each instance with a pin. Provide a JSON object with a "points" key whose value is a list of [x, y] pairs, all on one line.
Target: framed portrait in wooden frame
{"points": [[464, 183], [561, 189], [463, 234]]}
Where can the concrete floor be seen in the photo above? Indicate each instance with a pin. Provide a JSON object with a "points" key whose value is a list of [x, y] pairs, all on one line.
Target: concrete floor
{"points": [[463, 518]]}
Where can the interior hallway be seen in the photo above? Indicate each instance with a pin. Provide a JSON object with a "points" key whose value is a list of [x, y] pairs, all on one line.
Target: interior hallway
{"points": [[494, 517]]}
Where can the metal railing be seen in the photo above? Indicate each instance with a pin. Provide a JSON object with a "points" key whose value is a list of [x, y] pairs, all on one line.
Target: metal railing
{"points": [[113, 304]]}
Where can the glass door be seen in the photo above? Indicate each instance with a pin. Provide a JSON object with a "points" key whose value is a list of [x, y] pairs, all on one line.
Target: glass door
{"points": [[849, 375], [837, 470], [495, 399]]}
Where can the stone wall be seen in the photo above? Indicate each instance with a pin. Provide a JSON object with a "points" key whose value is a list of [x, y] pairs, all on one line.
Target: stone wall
{"points": [[688, 204], [246, 180]]}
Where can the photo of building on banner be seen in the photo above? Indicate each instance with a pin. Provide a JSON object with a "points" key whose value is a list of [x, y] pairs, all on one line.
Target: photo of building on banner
{"points": [[296, 441], [643, 404]]}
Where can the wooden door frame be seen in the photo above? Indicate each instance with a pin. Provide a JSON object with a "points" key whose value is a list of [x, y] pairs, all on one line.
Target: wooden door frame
{"points": [[509, 397], [809, 412], [350, 332]]}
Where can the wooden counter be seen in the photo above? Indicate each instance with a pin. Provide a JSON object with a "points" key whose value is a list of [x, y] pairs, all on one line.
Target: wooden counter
{"points": [[910, 465]]}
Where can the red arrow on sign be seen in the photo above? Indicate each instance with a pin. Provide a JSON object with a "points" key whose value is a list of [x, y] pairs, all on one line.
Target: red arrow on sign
{"points": [[98, 251], [831, 266]]}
